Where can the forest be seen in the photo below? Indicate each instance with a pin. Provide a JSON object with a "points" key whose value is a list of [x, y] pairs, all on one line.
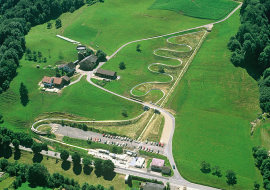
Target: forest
{"points": [[251, 45]]}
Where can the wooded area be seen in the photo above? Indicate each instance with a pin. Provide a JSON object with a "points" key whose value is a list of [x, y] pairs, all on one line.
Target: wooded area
{"points": [[251, 45], [17, 18]]}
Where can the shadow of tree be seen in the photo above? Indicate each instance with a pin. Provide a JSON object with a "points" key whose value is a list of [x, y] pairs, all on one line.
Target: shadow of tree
{"points": [[109, 176], [87, 170], [17, 154], [1, 151], [98, 173], [77, 169], [37, 158], [7, 152], [65, 165]]}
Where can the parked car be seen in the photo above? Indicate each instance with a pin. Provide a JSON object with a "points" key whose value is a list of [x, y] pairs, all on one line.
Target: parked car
{"points": [[131, 140], [99, 140], [108, 142], [162, 144], [103, 134], [159, 143], [94, 139], [105, 142], [117, 143], [151, 142], [113, 137], [90, 138], [106, 136], [126, 144], [143, 148], [151, 150], [127, 139], [146, 142], [158, 151], [173, 166], [156, 143]]}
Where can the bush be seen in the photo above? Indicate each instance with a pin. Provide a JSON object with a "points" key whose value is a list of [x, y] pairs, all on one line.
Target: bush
{"points": [[122, 65]]}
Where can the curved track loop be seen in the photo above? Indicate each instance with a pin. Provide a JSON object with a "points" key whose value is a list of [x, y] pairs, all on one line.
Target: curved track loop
{"points": [[149, 66]]}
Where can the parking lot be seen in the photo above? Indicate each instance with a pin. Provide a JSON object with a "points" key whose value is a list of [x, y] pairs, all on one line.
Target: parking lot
{"points": [[111, 140]]}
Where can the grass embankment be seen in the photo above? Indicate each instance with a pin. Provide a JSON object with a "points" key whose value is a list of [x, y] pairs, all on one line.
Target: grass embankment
{"points": [[137, 63], [7, 182], [159, 156], [131, 19], [78, 173], [155, 128], [215, 103], [81, 99], [206, 9]]}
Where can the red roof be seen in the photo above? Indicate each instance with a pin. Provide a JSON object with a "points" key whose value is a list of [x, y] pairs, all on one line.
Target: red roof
{"points": [[47, 79], [57, 80]]}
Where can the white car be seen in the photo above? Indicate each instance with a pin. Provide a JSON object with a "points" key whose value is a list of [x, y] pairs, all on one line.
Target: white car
{"points": [[151, 142]]}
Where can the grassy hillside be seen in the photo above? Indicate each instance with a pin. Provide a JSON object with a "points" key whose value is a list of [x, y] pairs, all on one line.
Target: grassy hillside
{"points": [[137, 63], [215, 103], [207, 9], [115, 22], [81, 99]]}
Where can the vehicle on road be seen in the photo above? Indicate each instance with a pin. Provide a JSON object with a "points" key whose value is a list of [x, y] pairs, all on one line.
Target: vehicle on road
{"points": [[173, 166]]}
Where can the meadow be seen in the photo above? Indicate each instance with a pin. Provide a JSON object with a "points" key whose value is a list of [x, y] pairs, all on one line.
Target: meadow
{"points": [[82, 100], [111, 24], [215, 103], [137, 63], [205, 9]]}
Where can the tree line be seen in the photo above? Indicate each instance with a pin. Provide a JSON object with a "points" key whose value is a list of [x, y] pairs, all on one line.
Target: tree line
{"points": [[251, 45], [17, 18], [38, 175]]}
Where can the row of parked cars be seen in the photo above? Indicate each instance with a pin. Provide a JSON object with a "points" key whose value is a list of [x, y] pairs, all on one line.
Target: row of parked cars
{"points": [[147, 149], [115, 143]]}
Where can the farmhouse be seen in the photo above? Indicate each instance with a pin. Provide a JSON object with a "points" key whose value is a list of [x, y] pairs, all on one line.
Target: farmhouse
{"points": [[88, 63], [70, 67], [58, 82], [157, 164], [105, 73], [54, 81], [153, 186], [47, 81]]}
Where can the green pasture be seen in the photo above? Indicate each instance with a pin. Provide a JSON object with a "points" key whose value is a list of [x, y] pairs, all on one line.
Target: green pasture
{"points": [[78, 173], [215, 103], [26, 186], [111, 24], [205, 9], [137, 63], [81, 99]]}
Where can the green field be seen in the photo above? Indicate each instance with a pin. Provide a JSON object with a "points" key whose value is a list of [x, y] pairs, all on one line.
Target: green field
{"points": [[25, 186], [78, 174], [206, 9], [115, 22], [81, 99], [137, 63], [215, 103]]}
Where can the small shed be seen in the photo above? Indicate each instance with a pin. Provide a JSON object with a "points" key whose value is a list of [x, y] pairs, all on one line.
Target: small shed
{"points": [[66, 79], [166, 170], [105, 73], [153, 186]]}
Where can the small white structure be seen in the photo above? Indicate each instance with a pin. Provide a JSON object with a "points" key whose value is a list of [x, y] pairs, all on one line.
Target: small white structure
{"points": [[140, 162], [127, 178]]}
